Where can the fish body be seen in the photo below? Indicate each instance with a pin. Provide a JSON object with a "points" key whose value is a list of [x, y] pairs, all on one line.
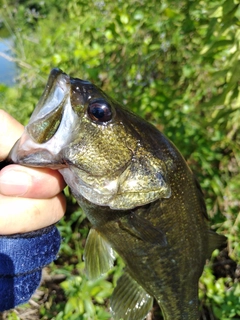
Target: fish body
{"points": [[136, 189]]}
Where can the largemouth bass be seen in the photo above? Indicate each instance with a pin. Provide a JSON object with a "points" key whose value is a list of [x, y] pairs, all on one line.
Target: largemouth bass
{"points": [[136, 189]]}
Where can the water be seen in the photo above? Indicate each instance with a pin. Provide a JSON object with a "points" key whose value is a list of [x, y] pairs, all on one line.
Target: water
{"points": [[8, 69]]}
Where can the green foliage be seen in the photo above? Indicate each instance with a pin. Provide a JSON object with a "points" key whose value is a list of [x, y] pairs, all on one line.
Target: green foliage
{"points": [[177, 64], [81, 292], [225, 303]]}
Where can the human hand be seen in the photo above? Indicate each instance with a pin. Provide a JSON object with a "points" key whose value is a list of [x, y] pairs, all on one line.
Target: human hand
{"points": [[30, 198]]}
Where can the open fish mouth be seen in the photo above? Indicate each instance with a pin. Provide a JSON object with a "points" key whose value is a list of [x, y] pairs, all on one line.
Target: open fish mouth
{"points": [[47, 132]]}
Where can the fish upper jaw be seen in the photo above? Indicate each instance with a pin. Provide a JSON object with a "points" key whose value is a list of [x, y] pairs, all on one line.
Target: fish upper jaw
{"points": [[57, 89]]}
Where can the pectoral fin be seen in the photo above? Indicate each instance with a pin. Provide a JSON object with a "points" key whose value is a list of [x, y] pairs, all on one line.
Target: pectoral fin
{"points": [[98, 255], [143, 229], [129, 300]]}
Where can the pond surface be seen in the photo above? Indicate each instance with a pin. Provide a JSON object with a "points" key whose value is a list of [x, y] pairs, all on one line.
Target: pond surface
{"points": [[8, 69]]}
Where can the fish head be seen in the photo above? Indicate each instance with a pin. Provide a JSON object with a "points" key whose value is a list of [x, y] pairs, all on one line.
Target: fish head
{"points": [[95, 144]]}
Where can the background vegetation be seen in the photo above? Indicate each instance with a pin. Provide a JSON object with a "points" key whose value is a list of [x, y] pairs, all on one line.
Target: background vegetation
{"points": [[176, 63]]}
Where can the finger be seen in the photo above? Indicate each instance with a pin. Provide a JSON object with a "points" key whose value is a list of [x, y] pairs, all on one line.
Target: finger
{"points": [[16, 180], [20, 215], [10, 131]]}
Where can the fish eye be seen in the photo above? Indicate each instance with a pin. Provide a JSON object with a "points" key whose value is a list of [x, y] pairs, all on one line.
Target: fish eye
{"points": [[99, 111]]}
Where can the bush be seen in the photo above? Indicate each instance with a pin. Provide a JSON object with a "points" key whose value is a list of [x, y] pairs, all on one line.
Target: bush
{"points": [[176, 63]]}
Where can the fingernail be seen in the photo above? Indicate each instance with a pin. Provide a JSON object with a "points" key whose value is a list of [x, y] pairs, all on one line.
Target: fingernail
{"points": [[14, 182]]}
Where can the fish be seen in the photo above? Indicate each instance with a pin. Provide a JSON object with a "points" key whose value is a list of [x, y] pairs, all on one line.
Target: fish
{"points": [[139, 194]]}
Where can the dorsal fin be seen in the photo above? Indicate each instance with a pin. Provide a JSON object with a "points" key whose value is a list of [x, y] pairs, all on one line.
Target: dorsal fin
{"points": [[129, 300], [98, 255], [216, 241]]}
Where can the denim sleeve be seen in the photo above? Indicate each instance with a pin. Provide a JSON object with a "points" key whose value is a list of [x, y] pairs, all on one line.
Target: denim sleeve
{"points": [[22, 257]]}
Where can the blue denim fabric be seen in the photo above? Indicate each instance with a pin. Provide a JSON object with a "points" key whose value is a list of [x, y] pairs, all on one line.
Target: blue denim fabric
{"points": [[22, 258]]}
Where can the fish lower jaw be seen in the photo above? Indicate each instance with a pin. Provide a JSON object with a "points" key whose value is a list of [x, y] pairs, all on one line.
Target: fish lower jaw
{"points": [[40, 158]]}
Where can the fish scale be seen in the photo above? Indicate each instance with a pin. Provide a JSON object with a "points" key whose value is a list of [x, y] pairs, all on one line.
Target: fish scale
{"points": [[135, 188]]}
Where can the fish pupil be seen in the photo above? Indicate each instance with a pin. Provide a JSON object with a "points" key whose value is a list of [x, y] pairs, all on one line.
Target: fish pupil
{"points": [[99, 111]]}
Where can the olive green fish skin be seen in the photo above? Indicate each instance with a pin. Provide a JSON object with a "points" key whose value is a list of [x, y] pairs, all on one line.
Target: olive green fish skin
{"points": [[169, 273], [133, 184]]}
